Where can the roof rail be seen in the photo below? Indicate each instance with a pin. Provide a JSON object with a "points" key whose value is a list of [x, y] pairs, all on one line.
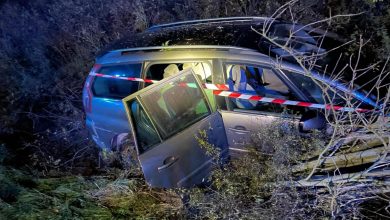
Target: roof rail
{"points": [[157, 48], [211, 20]]}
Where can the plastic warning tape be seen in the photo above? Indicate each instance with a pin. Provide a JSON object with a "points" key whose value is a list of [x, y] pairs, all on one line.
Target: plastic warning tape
{"points": [[205, 85], [124, 78], [222, 90], [238, 95]]}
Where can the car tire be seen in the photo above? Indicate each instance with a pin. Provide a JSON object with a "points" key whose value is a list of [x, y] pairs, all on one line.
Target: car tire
{"points": [[125, 153]]}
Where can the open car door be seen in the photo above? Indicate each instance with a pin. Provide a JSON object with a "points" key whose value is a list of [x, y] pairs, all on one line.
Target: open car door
{"points": [[165, 119]]}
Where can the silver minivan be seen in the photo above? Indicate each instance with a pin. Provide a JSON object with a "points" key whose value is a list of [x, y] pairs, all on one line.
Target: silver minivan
{"points": [[119, 73]]}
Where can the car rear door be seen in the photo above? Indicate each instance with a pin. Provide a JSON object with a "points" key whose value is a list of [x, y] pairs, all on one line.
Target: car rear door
{"points": [[168, 119]]}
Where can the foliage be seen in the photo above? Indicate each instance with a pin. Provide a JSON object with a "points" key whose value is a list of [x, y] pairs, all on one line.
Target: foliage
{"points": [[77, 197], [204, 143], [23, 195], [257, 185]]}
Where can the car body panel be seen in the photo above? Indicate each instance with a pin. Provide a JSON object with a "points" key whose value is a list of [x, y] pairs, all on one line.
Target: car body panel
{"points": [[108, 119], [242, 126], [238, 127]]}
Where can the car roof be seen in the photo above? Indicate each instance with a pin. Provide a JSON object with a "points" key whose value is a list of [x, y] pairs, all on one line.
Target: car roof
{"points": [[227, 32], [210, 21], [233, 31], [182, 53]]}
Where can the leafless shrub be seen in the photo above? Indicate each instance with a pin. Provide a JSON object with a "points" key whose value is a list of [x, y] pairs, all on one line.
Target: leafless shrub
{"points": [[350, 126], [47, 48], [289, 176]]}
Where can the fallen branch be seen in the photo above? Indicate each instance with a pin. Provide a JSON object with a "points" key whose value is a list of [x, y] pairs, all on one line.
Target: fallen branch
{"points": [[343, 160]]}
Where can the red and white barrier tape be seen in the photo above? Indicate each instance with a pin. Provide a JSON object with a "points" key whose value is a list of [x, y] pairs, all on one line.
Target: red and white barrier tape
{"points": [[220, 90], [258, 98], [206, 85], [124, 78]]}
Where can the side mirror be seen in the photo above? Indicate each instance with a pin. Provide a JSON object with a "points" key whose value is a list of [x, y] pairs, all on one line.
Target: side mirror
{"points": [[312, 120]]}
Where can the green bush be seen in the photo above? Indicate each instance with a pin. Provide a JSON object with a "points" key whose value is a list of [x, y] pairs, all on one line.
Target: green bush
{"points": [[257, 185]]}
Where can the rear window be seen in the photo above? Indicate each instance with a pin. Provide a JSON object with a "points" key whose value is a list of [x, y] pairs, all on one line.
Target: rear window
{"points": [[116, 88]]}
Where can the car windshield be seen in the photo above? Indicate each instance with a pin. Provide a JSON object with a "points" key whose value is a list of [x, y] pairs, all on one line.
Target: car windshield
{"points": [[176, 105]]}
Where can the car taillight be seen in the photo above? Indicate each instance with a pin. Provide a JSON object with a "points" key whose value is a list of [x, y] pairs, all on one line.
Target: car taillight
{"points": [[87, 92]]}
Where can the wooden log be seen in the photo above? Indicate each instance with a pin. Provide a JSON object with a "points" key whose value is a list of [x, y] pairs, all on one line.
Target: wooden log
{"points": [[367, 144], [356, 136], [353, 143], [359, 177], [343, 160]]}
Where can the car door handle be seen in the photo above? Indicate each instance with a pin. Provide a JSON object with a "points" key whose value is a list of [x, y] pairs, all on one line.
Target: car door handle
{"points": [[239, 129], [168, 162]]}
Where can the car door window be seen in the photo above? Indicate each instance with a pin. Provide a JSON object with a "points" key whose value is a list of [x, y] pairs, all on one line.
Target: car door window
{"points": [[163, 70], [274, 85], [202, 70], [257, 80], [145, 133], [176, 105]]}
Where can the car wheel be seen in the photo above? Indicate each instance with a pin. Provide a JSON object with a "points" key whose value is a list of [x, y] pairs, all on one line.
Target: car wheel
{"points": [[126, 153]]}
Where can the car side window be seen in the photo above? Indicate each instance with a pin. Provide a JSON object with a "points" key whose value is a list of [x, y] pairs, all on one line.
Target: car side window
{"points": [[203, 71], [256, 80], [146, 134], [164, 70], [176, 105], [306, 85], [319, 93], [116, 88]]}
